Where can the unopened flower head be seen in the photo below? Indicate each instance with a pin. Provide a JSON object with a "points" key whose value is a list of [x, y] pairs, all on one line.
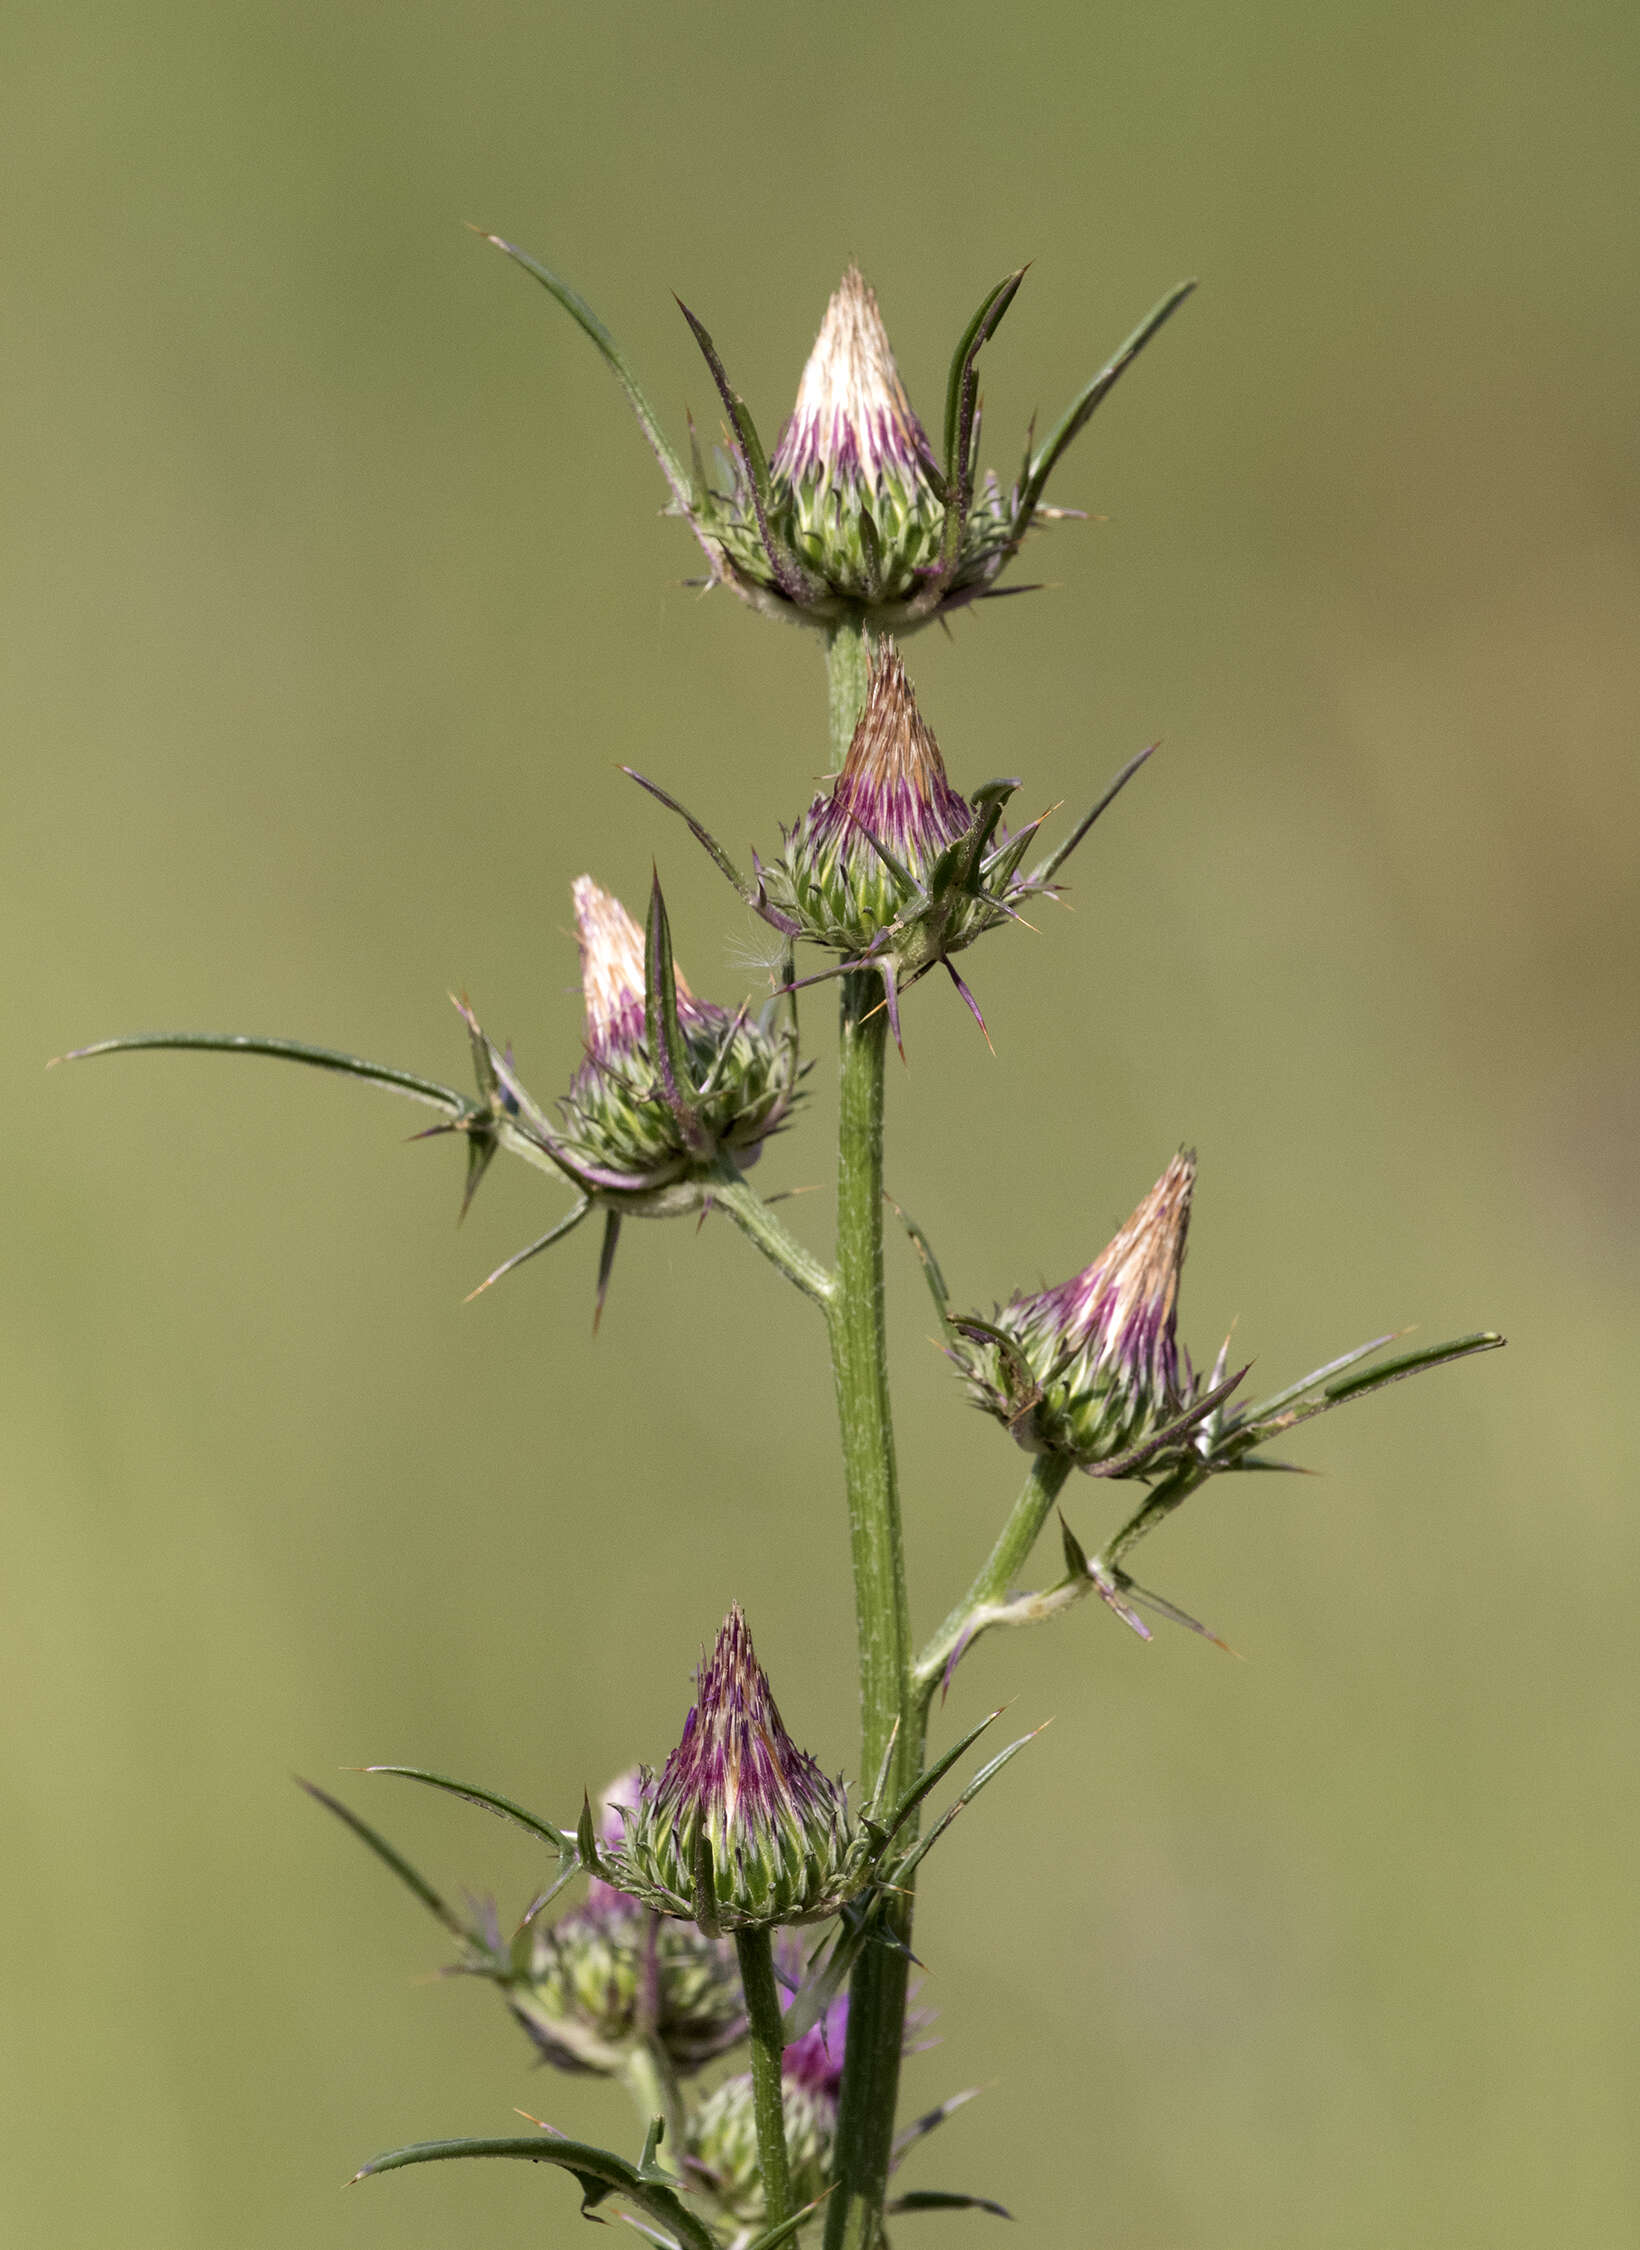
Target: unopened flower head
{"points": [[740, 1829], [857, 511], [892, 867], [721, 2152], [642, 1127], [592, 1985], [850, 482], [1092, 1367]]}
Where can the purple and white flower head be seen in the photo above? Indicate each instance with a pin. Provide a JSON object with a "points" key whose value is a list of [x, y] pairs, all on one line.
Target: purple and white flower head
{"points": [[668, 1084], [600, 1981], [858, 516], [853, 486], [892, 868], [740, 1829], [1092, 1367]]}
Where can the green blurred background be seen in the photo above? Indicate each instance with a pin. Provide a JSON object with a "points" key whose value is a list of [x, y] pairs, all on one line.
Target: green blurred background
{"points": [[335, 591]]}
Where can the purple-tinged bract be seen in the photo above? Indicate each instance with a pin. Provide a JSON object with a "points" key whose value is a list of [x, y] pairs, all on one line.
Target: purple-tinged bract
{"points": [[1092, 1367], [740, 1829]]}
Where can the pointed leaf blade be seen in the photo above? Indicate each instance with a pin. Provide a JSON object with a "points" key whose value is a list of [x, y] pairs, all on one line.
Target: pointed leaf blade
{"points": [[485, 1798], [404, 1082], [1076, 416], [614, 358], [414, 1882]]}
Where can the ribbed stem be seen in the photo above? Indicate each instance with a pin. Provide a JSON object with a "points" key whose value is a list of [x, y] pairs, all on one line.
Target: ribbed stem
{"points": [[846, 674], [757, 1979], [871, 2067], [859, 1352]]}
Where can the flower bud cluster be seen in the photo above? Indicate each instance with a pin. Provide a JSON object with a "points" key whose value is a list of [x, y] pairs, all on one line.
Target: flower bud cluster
{"points": [[602, 1980]]}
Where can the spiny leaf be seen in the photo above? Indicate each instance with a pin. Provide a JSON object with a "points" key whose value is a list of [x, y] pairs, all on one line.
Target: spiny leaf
{"points": [[1055, 860], [774, 2236], [790, 576], [935, 2199], [1076, 415], [702, 836], [1278, 1399], [959, 1803], [931, 2120], [587, 320], [389, 1857], [935, 1774], [668, 1046], [566, 1225], [486, 1798], [599, 2172], [958, 381], [926, 1258], [404, 1082]]}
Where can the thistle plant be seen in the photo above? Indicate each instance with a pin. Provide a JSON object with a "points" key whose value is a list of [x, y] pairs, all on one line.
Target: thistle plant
{"points": [[738, 1894]]}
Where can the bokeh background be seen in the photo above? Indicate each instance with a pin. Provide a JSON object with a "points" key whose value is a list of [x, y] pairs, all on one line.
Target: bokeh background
{"points": [[334, 592]]}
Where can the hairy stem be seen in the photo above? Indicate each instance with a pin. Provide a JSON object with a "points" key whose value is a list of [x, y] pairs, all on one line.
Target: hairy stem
{"points": [[846, 671], [999, 1570], [756, 1956], [871, 2068]]}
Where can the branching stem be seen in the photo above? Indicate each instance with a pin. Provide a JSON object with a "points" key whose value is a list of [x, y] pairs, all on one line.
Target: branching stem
{"points": [[998, 1572]]}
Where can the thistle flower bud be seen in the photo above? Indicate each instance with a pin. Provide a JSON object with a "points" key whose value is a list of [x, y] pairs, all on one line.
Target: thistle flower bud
{"points": [[671, 1089], [592, 1985], [1091, 1368], [740, 1829], [721, 2152], [892, 867], [853, 483], [856, 513], [621, 1118]]}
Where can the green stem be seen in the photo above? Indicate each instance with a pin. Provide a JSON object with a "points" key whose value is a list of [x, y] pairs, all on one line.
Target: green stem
{"points": [[847, 671], [999, 1570], [871, 2067], [756, 1956], [758, 1223]]}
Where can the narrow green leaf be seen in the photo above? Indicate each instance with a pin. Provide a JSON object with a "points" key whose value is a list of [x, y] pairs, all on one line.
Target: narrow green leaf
{"points": [[935, 1774], [1413, 1363], [788, 2227], [702, 836], [487, 1798], [935, 2199], [1076, 415], [599, 2172], [668, 1047], [920, 1851], [1056, 859], [405, 1082], [1076, 1561], [1278, 1399], [925, 1257], [984, 324], [931, 2120], [389, 1857], [793, 580], [616, 360]]}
